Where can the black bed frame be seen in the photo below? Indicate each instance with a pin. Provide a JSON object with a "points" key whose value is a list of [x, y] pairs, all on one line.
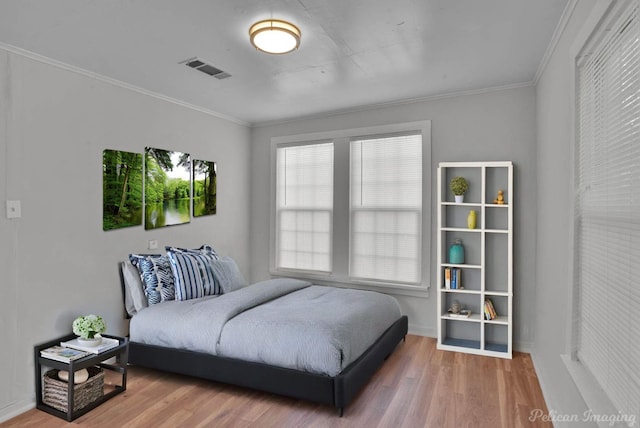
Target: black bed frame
{"points": [[337, 391]]}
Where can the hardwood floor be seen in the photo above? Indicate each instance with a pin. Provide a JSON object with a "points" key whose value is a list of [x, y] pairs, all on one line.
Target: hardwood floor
{"points": [[418, 386]]}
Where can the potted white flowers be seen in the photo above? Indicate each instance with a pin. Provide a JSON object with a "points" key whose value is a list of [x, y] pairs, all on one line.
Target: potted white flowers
{"points": [[88, 329]]}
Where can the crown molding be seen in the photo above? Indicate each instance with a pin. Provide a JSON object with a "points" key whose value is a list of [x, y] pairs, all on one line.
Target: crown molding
{"points": [[409, 101], [114, 82], [77, 70]]}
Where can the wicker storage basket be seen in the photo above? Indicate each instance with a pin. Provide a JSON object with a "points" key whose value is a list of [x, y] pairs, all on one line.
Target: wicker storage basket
{"points": [[55, 395]]}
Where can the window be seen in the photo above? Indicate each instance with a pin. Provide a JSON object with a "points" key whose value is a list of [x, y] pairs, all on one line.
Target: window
{"points": [[386, 208], [304, 207], [607, 210], [347, 207]]}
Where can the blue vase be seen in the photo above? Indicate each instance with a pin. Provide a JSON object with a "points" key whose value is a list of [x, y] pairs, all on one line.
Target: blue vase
{"points": [[456, 253]]}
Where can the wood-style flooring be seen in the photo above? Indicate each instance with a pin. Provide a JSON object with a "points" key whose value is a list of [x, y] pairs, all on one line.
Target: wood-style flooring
{"points": [[418, 386]]}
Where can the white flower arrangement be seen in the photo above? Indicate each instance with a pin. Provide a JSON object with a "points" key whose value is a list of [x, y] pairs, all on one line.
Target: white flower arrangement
{"points": [[88, 326]]}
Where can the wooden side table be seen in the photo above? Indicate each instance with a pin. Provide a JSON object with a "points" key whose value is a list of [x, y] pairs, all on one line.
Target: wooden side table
{"points": [[120, 352]]}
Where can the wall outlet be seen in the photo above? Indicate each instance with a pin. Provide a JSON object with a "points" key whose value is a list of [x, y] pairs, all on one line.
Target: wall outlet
{"points": [[13, 209], [153, 244]]}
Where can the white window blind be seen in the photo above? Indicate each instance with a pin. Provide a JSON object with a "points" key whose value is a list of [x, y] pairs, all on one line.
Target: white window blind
{"points": [[608, 209], [304, 205], [386, 208]]}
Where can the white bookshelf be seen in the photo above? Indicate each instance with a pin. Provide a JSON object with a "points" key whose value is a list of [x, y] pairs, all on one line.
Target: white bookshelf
{"points": [[487, 272]]}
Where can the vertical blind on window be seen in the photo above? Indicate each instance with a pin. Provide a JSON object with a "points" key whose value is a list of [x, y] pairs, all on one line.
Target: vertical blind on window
{"points": [[386, 208], [607, 266], [304, 207]]}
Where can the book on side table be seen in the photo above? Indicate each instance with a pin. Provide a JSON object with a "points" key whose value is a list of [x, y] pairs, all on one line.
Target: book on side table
{"points": [[107, 343], [60, 353]]}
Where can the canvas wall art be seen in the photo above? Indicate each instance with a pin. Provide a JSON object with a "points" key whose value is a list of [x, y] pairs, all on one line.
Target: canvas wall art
{"points": [[167, 188], [121, 189], [204, 187]]}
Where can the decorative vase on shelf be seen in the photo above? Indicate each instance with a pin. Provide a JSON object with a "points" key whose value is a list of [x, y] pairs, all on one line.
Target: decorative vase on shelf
{"points": [[90, 342], [459, 187], [88, 329], [471, 219], [456, 253]]}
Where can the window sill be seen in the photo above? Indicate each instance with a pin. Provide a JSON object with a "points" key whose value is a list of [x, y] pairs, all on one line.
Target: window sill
{"points": [[387, 288], [597, 401]]}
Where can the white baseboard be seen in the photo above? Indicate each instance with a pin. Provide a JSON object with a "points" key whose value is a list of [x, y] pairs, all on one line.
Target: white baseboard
{"points": [[422, 331], [525, 347], [15, 409]]}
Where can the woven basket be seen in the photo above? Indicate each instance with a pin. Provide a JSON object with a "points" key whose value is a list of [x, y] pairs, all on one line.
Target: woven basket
{"points": [[55, 394]]}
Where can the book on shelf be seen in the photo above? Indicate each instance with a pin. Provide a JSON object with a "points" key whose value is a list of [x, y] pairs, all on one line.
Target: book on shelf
{"points": [[107, 343], [464, 313], [489, 310], [60, 353], [447, 278], [456, 279]]}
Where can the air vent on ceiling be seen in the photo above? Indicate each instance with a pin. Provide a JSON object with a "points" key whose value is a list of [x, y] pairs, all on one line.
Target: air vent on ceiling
{"points": [[209, 69]]}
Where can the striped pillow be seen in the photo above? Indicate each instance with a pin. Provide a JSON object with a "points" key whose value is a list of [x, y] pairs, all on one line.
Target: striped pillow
{"points": [[204, 249], [192, 273], [157, 277]]}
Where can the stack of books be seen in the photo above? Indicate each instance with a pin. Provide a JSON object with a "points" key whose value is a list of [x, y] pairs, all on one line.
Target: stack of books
{"points": [[60, 353], [72, 350], [489, 311], [464, 313], [107, 343], [453, 278]]}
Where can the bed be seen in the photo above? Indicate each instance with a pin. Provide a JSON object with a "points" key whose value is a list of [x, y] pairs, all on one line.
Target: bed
{"points": [[283, 336]]}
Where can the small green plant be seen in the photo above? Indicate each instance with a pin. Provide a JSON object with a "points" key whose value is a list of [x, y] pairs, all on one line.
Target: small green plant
{"points": [[458, 185], [88, 326]]}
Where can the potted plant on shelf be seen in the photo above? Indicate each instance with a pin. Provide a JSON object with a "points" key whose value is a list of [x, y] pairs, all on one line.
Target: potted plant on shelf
{"points": [[459, 186], [88, 328]]}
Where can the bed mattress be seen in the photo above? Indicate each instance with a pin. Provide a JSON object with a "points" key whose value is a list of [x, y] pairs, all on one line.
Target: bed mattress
{"points": [[282, 322]]}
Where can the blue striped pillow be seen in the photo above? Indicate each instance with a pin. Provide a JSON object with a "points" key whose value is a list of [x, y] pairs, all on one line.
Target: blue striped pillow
{"points": [[157, 277], [204, 249], [192, 272]]}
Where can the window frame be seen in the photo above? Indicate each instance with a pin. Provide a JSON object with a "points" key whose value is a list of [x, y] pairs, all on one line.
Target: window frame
{"points": [[339, 276]]}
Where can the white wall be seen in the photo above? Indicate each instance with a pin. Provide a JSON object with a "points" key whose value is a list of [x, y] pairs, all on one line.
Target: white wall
{"points": [[496, 125], [554, 112], [56, 262]]}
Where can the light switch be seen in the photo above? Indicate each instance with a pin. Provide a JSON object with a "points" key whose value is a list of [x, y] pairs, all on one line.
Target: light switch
{"points": [[153, 244], [13, 209]]}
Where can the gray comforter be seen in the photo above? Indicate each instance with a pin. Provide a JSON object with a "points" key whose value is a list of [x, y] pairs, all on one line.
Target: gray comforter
{"points": [[282, 322]]}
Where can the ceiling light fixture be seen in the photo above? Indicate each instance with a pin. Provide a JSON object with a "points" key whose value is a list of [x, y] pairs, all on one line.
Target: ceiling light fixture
{"points": [[274, 36]]}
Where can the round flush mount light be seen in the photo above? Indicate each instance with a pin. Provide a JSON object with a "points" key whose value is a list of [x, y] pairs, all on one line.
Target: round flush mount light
{"points": [[274, 36]]}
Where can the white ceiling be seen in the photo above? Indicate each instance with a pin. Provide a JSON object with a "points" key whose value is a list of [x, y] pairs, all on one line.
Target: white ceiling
{"points": [[353, 52]]}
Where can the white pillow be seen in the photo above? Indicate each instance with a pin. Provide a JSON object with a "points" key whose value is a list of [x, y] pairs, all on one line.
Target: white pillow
{"points": [[134, 298], [227, 274]]}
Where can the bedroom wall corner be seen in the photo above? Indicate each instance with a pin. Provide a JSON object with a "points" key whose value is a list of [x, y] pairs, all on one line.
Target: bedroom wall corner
{"points": [[554, 212]]}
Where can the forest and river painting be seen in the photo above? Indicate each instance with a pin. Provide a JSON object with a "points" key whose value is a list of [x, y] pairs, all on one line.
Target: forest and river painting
{"points": [[204, 188], [121, 189], [167, 188]]}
